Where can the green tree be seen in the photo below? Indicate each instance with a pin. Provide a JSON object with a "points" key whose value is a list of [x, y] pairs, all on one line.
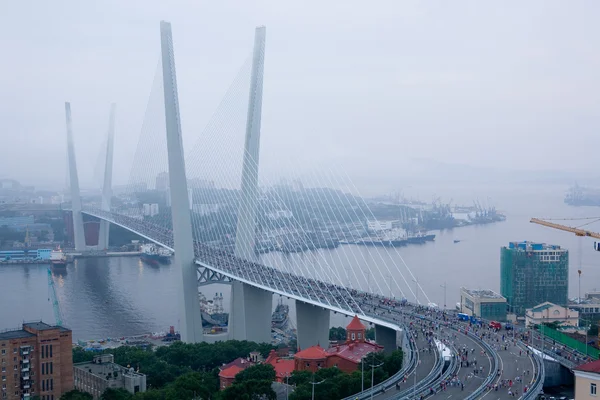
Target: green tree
{"points": [[300, 378], [250, 390], [191, 385], [338, 333], [152, 394], [116, 394], [593, 331], [370, 334], [393, 362], [76, 395], [80, 355], [260, 372]]}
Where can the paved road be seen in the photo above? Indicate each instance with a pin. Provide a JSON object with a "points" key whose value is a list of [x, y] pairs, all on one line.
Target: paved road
{"points": [[513, 360], [426, 358], [465, 380]]}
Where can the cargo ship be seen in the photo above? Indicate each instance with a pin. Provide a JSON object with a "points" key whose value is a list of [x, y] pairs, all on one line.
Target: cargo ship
{"points": [[279, 318], [398, 241], [212, 310], [154, 255], [58, 259], [582, 196]]}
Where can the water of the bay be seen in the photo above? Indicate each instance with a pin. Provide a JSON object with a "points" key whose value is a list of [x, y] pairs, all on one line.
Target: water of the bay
{"points": [[111, 297]]}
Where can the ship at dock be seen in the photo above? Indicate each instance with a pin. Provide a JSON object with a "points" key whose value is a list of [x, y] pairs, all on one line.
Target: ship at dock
{"points": [[212, 311], [279, 318], [58, 259], [155, 255], [394, 238]]}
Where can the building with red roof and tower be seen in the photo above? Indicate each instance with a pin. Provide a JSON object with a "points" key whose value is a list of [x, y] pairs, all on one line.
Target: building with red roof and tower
{"points": [[346, 356]]}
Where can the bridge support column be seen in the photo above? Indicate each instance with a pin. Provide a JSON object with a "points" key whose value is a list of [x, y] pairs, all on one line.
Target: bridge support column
{"points": [[107, 187], [313, 325], [78, 232], [250, 316], [387, 338], [191, 321], [248, 303]]}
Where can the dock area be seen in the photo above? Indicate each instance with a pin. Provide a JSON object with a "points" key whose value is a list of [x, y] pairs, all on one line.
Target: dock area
{"points": [[95, 253]]}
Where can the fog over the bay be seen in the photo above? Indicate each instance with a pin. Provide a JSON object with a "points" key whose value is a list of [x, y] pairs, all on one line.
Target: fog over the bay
{"points": [[386, 90]]}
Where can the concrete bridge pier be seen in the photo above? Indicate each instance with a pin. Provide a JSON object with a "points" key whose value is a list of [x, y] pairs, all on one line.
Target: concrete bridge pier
{"points": [[250, 314], [387, 338], [313, 325], [556, 375]]}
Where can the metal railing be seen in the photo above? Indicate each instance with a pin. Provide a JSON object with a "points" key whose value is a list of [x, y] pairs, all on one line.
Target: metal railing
{"points": [[490, 378], [390, 382], [539, 377]]}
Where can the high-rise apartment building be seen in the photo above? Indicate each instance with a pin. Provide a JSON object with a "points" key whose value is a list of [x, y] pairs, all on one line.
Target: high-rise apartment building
{"points": [[533, 273], [36, 361]]}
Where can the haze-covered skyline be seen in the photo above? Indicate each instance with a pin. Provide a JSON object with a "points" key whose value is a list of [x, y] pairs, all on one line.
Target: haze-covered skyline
{"points": [[369, 88]]}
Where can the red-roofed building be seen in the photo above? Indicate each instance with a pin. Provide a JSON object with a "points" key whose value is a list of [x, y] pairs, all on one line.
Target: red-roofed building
{"points": [[587, 380], [346, 357], [230, 370], [227, 375], [310, 359], [283, 367]]}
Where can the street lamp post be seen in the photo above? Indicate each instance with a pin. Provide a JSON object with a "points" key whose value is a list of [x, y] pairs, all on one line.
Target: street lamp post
{"points": [[579, 291], [444, 286], [415, 384], [313, 383], [362, 375], [373, 366]]}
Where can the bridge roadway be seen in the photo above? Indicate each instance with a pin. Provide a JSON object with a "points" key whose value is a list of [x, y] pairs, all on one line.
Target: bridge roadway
{"points": [[513, 358], [567, 356], [330, 296]]}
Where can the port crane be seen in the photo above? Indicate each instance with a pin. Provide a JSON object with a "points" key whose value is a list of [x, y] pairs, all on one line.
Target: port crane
{"points": [[54, 299], [577, 231]]}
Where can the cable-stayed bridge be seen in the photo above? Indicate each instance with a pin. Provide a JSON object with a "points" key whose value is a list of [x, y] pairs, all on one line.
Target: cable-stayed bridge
{"points": [[217, 222]]}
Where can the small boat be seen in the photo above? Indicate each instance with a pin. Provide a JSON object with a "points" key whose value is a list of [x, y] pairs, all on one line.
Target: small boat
{"points": [[456, 240]]}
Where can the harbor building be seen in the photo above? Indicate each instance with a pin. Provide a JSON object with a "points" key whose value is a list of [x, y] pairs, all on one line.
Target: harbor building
{"points": [[485, 304], [102, 373], [548, 313], [37, 360], [533, 273]]}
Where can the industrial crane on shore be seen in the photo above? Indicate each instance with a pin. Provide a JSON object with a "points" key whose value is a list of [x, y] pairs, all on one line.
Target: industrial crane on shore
{"points": [[577, 231]]}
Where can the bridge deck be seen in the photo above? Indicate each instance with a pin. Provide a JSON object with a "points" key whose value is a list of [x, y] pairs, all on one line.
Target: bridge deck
{"points": [[347, 301]]}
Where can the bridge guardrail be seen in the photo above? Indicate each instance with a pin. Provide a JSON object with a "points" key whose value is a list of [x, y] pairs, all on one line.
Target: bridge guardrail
{"points": [[391, 381], [538, 385], [422, 387], [490, 378]]}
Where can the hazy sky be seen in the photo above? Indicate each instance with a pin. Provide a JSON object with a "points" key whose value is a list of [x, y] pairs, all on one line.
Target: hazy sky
{"points": [[362, 84]]}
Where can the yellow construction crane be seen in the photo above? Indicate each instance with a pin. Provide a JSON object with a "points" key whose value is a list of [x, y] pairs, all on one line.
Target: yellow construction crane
{"points": [[576, 231]]}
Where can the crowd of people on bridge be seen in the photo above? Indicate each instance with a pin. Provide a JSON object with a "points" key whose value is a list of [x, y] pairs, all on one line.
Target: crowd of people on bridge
{"points": [[428, 323]]}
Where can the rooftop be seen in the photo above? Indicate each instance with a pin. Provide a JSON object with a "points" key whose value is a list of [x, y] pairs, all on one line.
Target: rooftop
{"points": [[354, 351], [543, 306], [101, 369], [593, 366], [283, 367], [39, 326], [230, 372], [482, 293], [312, 353], [355, 324], [243, 363], [534, 246], [15, 334]]}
